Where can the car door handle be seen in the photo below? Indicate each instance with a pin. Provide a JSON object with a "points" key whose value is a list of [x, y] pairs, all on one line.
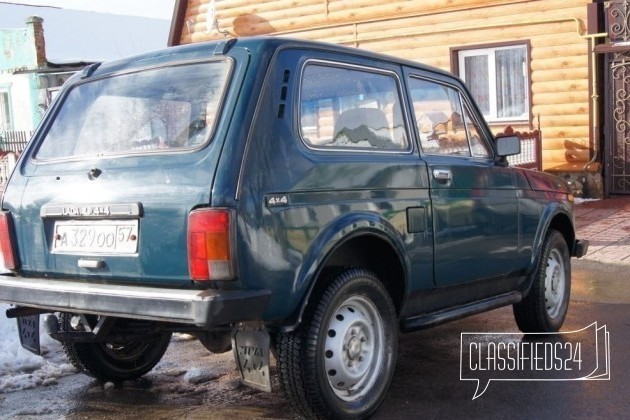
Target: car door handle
{"points": [[442, 174]]}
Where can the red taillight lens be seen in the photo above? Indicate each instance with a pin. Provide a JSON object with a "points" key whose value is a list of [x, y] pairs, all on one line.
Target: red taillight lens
{"points": [[210, 245], [6, 245]]}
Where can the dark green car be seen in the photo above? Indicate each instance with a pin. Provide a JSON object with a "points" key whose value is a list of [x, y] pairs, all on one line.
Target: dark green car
{"points": [[274, 194]]}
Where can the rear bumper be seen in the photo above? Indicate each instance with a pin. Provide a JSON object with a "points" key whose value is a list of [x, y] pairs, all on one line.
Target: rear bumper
{"points": [[199, 307]]}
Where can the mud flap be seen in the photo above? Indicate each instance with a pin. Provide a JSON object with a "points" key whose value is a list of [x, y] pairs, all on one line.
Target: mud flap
{"points": [[28, 327], [250, 344]]}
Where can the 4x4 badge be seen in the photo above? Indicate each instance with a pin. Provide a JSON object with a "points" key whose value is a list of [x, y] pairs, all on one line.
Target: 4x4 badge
{"points": [[277, 200]]}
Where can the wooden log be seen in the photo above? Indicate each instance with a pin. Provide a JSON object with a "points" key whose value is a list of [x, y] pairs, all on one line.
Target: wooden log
{"points": [[467, 32], [327, 33], [554, 39], [559, 63], [427, 5], [564, 120], [555, 75], [275, 8], [560, 109], [566, 156], [556, 51], [564, 144], [502, 15], [232, 8], [578, 96], [560, 86], [566, 132], [441, 4]]}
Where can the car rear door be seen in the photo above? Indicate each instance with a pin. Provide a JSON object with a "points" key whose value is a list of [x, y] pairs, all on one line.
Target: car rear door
{"points": [[105, 188]]}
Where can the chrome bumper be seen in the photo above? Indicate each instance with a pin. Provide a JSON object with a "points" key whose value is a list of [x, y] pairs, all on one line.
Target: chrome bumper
{"points": [[199, 307]]}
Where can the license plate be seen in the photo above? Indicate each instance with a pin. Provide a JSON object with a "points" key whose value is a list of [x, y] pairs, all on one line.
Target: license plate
{"points": [[96, 237]]}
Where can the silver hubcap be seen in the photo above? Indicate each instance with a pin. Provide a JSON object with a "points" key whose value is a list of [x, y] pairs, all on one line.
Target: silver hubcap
{"points": [[353, 350], [555, 282]]}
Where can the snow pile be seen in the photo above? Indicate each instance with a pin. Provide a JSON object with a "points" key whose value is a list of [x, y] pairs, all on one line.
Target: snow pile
{"points": [[21, 369]]}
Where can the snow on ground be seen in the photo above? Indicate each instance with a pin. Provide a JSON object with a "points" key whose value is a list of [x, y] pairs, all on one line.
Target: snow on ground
{"points": [[21, 369], [579, 200]]}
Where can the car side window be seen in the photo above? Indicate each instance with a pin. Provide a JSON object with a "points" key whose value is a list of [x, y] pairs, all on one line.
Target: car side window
{"points": [[351, 108], [444, 123]]}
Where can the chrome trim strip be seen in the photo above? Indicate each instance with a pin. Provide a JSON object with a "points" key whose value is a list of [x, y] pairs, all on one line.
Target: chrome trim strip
{"points": [[101, 210]]}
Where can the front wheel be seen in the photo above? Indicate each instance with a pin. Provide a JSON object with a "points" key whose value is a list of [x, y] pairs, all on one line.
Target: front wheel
{"points": [[545, 307], [341, 360]]}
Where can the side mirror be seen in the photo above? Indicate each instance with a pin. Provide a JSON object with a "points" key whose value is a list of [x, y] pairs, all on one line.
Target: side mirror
{"points": [[508, 145]]}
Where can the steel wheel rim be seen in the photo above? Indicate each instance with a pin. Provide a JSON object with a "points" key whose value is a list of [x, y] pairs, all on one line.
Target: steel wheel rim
{"points": [[354, 348], [555, 283], [125, 352]]}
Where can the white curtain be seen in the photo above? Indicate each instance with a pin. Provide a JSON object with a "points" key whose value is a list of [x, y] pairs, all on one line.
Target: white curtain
{"points": [[477, 80], [511, 82]]}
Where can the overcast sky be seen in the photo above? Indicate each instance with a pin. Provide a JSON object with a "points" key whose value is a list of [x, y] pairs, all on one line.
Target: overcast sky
{"points": [[159, 9]]}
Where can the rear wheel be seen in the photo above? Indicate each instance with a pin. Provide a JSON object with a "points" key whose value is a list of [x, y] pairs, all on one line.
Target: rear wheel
{"points": [[115, 360], [545, 307], [341, 360]]}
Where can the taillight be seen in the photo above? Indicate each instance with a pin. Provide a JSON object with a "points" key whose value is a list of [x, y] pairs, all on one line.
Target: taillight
{"points": [[6, 244], [210, 244]]}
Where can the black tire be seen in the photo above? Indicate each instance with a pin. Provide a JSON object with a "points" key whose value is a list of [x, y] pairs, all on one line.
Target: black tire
{"points": [[545, 307], [340, 362], [114, 361]]}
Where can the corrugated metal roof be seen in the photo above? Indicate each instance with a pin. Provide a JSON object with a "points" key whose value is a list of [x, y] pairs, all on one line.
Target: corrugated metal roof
{"points": [[74, 35]]}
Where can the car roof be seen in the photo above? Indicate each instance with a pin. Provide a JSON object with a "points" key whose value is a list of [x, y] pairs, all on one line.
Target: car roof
{"points": [[257, 46]]}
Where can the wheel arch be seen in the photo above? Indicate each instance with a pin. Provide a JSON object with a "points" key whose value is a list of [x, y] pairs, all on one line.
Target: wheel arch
{"points": [[554, 218], [563, 224], [366, 242]]}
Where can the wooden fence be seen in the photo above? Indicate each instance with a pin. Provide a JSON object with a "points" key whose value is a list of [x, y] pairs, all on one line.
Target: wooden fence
{"points": [[14, 141], [11, 145], [531, 149]]}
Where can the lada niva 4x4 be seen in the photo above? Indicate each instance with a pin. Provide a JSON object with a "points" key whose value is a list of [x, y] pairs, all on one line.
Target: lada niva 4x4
{"points": [[269, 195]]}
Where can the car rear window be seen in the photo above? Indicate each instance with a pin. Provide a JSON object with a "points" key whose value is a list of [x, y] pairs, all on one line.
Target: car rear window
{"points": [[154, 110]]}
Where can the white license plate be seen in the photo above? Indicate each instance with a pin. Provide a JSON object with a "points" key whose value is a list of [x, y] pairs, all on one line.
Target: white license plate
{"points": [[96, 237]]}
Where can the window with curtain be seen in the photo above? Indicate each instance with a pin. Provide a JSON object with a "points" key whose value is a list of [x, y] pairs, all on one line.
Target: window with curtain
{"points": [[498, 79], [5, 112]]}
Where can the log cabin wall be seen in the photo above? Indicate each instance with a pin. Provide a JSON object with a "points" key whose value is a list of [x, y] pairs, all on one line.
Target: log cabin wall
{"points": [[432, 31]]}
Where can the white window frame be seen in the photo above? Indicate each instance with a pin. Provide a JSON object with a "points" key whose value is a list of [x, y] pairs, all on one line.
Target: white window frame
{"points": [[493, 117]]}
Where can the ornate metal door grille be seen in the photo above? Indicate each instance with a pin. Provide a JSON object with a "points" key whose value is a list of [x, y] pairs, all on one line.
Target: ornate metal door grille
{"points": [[617, 108], [618, 143]]}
